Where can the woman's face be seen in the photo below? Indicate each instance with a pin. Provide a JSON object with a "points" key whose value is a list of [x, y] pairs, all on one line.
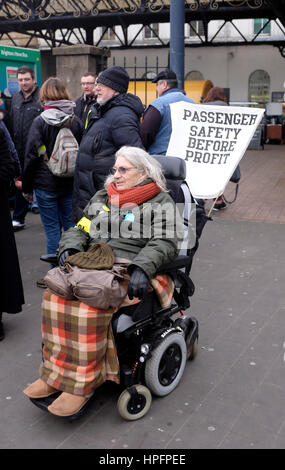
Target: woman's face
{"points": [[126, 175]]}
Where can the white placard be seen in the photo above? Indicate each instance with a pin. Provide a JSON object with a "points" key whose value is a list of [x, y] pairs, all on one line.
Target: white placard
{"points": [[212, 140]]}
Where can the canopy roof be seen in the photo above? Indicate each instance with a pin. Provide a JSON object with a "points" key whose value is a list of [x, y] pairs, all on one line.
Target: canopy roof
{"points": [[41, 18]]}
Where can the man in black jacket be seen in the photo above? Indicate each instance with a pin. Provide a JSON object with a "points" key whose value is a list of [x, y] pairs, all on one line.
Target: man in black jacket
{"points": [[25, 107], [113, 121], [85, 101]]}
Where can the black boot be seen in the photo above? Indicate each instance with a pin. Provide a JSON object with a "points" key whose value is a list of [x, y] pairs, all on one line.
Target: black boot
{"points": [[2, 331]]}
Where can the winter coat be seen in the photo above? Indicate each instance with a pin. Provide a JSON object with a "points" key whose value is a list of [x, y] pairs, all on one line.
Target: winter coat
{"points": [[162, 105], [23, 112], [110, 126], [11, 288], [147, 235], [36, 172], [12, 148], [83, 106]]}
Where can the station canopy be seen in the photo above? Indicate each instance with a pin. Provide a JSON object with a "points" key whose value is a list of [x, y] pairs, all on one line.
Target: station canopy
{"points": [[42, 18]]}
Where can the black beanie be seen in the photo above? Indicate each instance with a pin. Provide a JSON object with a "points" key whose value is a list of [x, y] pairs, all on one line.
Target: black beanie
{"points": [[115, 77]]}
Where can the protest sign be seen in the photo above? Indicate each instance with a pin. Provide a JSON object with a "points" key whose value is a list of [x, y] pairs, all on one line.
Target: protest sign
{"points": [[212, 140]]}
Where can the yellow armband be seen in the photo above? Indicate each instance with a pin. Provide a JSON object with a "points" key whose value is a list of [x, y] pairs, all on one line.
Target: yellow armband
{"points": [[42, 152], [84, 223]]}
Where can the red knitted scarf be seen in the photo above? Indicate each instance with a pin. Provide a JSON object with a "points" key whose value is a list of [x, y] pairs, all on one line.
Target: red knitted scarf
{"points": [[133, 196]]}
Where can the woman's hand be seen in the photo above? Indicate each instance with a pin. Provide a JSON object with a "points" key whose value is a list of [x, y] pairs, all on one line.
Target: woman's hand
{"points": [[138, 284]]}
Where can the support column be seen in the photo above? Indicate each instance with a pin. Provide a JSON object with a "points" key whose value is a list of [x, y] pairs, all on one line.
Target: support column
{"points": [[177, 20], [73, 61]]}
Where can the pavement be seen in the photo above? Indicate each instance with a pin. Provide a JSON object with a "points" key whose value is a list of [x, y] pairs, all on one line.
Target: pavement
{"points": [[232, 396]]}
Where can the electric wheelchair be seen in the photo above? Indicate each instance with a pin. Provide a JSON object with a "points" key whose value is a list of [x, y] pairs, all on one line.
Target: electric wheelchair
{"points": [[153, 343]]}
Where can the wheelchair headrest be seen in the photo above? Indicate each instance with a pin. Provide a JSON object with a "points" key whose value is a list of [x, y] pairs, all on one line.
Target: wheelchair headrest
{"points": [[174, 168]]}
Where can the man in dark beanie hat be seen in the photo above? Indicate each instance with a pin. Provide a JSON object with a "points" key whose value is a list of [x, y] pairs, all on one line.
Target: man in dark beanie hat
{"points": [[116, 78], [113, 121]]}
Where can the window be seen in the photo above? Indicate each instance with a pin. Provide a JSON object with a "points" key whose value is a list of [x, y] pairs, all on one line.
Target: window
{"points": [[109, 34], [194, 75], [258, 25], [259, 86], [150, 31], [196, 28]]}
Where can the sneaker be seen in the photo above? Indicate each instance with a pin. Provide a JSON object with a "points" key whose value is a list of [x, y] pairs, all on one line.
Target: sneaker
{"points": [[220, 207], [18, 225], [41, 283]]}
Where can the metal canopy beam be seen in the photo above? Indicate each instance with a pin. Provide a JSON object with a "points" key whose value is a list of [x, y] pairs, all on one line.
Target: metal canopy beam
{"points": [[42, 18], [278, 8], [50, 14]]}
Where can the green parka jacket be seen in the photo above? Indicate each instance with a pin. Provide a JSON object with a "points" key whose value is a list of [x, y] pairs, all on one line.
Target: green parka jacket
{"points": [[149, 235]]}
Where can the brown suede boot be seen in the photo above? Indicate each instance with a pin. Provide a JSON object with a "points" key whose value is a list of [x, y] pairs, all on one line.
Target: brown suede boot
{"points": [[39, 389], [67, 404]]}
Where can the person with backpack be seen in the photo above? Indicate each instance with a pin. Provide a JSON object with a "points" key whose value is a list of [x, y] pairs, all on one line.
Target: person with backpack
{"points": [[52, 139]]}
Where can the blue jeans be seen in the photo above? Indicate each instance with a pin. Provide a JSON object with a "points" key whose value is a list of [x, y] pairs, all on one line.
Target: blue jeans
{"points": [[35, 202], [55, 212], [21, 207]]}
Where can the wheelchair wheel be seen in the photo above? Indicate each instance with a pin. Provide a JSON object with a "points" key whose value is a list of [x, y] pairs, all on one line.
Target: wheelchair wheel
{"points": [[163, 371], [134, 407]]}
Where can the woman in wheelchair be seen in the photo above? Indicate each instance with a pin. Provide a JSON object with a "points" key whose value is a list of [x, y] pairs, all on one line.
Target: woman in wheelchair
{"points": [[136, 218]]}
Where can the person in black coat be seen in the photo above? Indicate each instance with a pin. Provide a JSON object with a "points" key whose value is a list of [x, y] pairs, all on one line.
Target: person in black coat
{"points": [[25, 107], [53, 193], [88, 98], [112, 122], [11, 288]]}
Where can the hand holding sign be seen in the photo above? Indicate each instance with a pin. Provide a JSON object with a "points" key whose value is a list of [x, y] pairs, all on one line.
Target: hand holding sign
{"points": [[212, 140]]}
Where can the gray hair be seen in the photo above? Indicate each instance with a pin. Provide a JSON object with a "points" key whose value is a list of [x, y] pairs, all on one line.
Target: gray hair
{"points": [[143, 162]]}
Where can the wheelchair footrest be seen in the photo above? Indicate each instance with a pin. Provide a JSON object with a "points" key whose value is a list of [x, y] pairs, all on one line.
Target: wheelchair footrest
{"points": [[43, 403]]}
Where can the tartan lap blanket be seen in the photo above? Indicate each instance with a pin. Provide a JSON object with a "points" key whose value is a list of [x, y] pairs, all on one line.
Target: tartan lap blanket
{"points": [[79, 350]]}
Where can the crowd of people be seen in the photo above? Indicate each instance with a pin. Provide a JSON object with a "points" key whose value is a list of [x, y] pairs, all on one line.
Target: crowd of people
{"points": [[102, 120], [116, 138]]}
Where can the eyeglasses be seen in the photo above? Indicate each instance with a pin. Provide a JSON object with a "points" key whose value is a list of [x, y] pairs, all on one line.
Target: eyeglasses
{"points": [[121, 169], [88, 83]]}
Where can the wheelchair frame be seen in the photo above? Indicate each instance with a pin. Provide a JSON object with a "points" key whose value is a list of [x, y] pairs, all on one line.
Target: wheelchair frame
{"points": [[153, 327]]}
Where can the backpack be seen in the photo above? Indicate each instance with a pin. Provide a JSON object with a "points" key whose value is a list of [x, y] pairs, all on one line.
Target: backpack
{"points": [[63, 158]]}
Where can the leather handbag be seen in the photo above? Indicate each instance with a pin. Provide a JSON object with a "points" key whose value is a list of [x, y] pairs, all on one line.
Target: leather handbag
{"points": [[96, 288]]}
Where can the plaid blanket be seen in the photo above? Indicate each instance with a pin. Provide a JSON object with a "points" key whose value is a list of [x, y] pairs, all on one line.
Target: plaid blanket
{"points": [[79, 350]]}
